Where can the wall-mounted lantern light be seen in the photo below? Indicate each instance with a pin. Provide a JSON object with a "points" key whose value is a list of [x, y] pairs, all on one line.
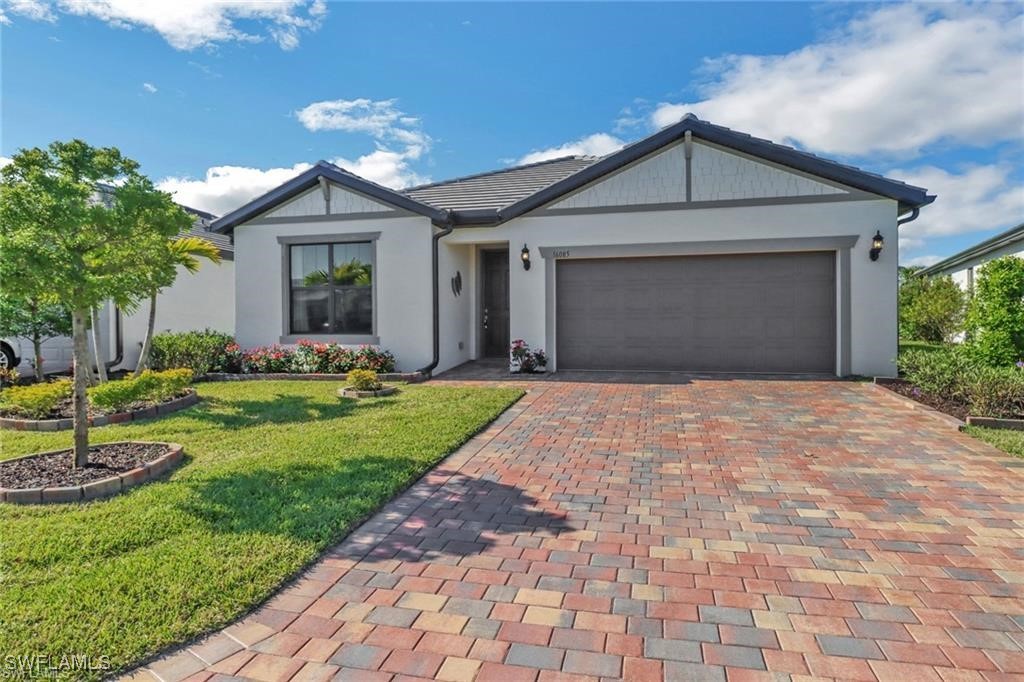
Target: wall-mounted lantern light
{"points": [[877, 242], [525, 255]]}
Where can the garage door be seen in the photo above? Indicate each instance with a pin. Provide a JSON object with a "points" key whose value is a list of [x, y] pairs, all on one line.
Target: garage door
{"points": [[732, 313]]}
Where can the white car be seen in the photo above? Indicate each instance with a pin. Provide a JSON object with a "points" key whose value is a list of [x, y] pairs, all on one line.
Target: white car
{"points": [[10, 353]]}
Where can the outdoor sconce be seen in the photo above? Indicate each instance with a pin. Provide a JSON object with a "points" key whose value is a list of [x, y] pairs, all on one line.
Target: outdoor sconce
{"points": [[525, 255], [877, 242]]}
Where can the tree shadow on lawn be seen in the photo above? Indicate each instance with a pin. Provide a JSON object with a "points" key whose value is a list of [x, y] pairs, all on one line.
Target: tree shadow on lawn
{"points": [[445, 513], [232, 413]]}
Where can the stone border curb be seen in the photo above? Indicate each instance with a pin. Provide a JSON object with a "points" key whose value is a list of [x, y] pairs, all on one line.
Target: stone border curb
{"points": [[407, 377], [996, 423], [353, 393], [104, 487], [880, 384], [187, 400]]}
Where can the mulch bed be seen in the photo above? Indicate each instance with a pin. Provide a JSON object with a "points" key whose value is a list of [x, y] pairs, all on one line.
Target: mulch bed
{"points": [[950, 407], [54, 469]]}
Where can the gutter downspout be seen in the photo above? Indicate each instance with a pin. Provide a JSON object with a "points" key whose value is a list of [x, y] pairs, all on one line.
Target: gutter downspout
{"points": [[909, 219], [446, 229], [118, 340]]}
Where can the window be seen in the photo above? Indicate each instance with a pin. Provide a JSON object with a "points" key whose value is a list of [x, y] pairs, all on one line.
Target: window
{"points": [[331, 288]]}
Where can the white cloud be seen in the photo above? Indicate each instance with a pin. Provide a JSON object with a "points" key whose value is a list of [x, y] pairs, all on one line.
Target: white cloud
{"points": [[597, 144], [187, 25], [224, 188], [4, 160], [149, 87], [892, 80], [981, 197], [923, 261], [36, 10], [380, 119]]}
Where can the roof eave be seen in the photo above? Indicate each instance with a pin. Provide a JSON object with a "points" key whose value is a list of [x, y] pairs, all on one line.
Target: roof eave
{"points": [[1011, 236]]}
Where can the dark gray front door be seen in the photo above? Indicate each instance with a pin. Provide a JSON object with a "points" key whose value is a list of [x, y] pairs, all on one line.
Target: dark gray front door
{"points": [[494, 317], [732, 313]]}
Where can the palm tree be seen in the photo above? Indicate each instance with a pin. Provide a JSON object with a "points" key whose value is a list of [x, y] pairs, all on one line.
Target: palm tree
{"points": [[186, 252]]}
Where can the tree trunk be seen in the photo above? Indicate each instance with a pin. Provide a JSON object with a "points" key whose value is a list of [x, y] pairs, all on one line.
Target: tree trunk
{"points": [[37, 349], [82, 372], [143, 364], [97, 344]]}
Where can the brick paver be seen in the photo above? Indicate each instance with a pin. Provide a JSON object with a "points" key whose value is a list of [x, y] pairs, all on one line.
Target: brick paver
{"points": [[704, 529]]}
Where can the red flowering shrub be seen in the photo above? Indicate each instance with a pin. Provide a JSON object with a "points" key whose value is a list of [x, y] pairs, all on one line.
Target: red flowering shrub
{"points": [[310, 357]]}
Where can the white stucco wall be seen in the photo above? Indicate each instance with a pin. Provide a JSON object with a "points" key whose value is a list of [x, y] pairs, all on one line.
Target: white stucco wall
{"points": [[204, 300], [402, 294], [873, 283]]}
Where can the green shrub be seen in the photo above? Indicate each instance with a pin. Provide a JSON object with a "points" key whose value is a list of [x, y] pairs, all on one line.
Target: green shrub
{"points": [[942, 373], [157, 387], [930, 308], [957, 375], [996, 392], [167, 384], [995, 318], [36, 401], [116, 396], [364, 380], [201, 351]]}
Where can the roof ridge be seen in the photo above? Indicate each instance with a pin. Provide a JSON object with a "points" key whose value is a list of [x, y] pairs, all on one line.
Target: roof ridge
{"points": [[507, 169]]}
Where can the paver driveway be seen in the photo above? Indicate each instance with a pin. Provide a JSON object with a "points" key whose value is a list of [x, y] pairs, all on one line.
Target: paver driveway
{"points": [[749, 529]]}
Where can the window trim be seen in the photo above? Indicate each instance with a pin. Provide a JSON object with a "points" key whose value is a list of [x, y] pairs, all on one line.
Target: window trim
{"points": [[287, 337]]}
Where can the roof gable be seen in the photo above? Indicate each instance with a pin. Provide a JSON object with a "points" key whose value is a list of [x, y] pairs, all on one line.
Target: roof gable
{"points": [[908, 196], [311, 178]]}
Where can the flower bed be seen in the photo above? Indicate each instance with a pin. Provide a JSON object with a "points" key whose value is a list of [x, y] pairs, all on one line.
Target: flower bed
{"points": [[48, 406], [112, 467], [309, 357]]}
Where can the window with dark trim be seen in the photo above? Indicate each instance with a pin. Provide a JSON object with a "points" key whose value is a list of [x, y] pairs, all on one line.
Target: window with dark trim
{"points": [[331, 288]]}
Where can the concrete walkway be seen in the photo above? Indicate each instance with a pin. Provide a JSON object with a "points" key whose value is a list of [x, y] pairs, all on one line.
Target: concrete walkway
{"points": [[701, 529]]}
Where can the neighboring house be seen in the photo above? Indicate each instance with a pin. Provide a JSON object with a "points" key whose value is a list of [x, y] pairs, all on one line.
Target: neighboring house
{"points": [[194, 301], [698, 249], [963, 266]]}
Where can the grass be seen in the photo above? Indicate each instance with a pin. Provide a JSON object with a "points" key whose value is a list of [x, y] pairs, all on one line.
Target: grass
{"points": [[921, 345], [1007, 440], [277, 472]]}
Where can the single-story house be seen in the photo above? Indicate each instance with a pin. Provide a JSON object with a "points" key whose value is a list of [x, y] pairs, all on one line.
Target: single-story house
{"points": [[698, 248], [963, 266], [200, 300]]}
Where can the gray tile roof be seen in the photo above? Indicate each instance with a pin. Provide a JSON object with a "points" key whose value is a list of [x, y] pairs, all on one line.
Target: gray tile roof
{"points": [[201, 228], [500, 188]]}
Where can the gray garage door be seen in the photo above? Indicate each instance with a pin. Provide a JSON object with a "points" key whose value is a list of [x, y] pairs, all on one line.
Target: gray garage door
{"points": [[733, 313]]}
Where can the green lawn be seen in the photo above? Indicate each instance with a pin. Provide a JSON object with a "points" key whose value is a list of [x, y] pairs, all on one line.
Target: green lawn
{"points": [[275, 473], [1007, 440]]}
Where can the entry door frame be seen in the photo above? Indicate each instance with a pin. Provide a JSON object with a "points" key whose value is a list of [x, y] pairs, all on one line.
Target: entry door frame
{"points": [[842, 245], [482, 254]]}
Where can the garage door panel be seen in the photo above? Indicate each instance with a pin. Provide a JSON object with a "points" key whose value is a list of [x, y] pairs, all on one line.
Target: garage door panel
{"points": [[735, 313]]}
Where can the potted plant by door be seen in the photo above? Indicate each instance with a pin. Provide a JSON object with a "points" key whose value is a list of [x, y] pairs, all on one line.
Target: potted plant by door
{"points": [[523, 360]]}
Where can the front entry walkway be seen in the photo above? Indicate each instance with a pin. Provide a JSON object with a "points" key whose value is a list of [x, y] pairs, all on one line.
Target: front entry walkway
{"points": [[707, 530]]}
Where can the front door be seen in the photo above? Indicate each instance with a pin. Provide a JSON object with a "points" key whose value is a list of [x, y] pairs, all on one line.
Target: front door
{"points": [[494, 317]]}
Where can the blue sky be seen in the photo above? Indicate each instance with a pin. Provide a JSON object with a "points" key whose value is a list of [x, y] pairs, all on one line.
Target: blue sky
{"points": [[221, 101]]}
